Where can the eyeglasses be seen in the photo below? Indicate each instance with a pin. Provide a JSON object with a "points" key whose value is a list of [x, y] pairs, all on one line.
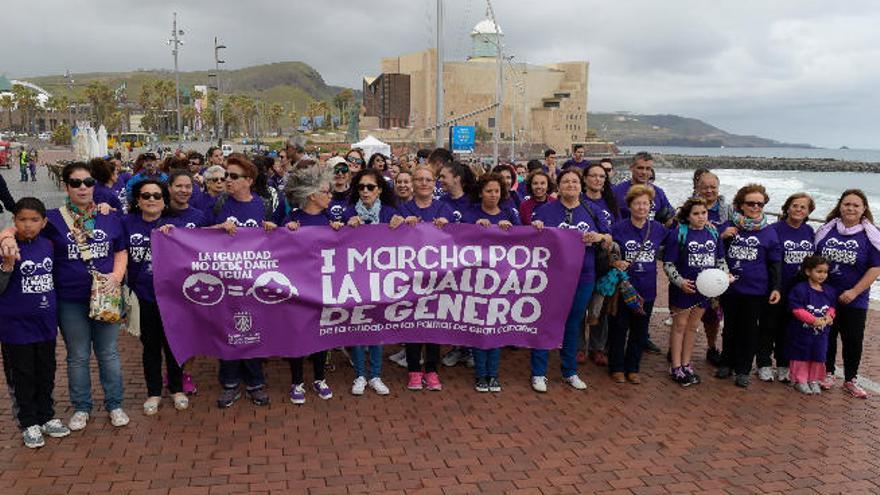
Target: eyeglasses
{"points": [[340, 170], [76, 183], [216, 179], [754, 204], [147, 196], [367, 187], [235, 176]]}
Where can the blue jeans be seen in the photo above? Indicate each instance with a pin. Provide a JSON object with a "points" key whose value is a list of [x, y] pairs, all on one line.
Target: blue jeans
{"points": [[231, 373], [627, 338], [486, 362], [358, 353], [573, 328], [81, 334]]}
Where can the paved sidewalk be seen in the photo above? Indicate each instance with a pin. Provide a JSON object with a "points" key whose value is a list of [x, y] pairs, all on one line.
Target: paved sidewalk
{"points": [[621, 439]]}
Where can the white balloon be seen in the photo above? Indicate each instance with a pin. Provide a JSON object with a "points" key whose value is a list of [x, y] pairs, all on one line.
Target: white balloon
{"points": [[712, 282]]}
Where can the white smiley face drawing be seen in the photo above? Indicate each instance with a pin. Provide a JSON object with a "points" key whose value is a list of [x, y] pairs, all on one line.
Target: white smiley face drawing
{"points": [[203, 289], [136, 239], [99, 235], [272, 288]]}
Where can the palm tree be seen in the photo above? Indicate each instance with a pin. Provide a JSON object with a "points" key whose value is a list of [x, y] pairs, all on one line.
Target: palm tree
{"points": [[8, 104], [341, 101], [101, 98], [26, 102], [276, 111]]}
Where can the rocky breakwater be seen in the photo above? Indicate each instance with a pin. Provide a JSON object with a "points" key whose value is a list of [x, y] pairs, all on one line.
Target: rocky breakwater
{"points": [[762, 163]]}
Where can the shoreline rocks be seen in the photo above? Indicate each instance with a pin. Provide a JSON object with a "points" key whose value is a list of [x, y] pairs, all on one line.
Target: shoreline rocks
{"points": [[758, 163]]}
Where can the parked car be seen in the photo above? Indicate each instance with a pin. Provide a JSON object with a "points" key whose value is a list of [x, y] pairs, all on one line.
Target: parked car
{"points": [[5, 154]]}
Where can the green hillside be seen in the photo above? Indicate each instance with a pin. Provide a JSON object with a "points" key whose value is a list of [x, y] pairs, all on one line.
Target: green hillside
{"points": [[287, 83]]}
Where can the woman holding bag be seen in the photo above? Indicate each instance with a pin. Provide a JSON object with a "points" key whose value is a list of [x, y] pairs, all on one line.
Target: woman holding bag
{"points": [[87, 241]]}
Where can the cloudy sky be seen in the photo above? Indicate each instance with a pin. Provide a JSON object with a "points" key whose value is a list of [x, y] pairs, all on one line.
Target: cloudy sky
{"points": [[792, 70]]}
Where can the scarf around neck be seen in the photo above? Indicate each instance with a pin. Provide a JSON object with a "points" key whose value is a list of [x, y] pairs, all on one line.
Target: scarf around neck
{"points": [[83, 218], [869, 228], [368, 215], [743, 222]]}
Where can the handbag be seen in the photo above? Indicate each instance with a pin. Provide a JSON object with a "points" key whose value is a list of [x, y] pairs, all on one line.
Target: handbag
{"points": [[105, 300]]}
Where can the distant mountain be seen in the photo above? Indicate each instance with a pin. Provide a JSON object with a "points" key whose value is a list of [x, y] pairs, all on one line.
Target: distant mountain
{"points": [[628, 129], [281, 82]]}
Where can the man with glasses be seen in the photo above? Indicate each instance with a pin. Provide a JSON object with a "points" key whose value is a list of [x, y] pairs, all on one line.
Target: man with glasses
{"points": [[608, 166]]}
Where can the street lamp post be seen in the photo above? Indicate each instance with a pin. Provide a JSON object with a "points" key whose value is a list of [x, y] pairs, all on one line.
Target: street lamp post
{"points": [[218, 114], [175, 42]]}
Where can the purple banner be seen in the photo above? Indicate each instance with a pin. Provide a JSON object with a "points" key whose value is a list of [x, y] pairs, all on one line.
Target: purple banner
{"points": [[294, 293]]}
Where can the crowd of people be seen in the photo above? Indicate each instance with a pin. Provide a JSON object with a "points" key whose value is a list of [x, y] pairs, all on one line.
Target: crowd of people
{"points": [[792, 290]]}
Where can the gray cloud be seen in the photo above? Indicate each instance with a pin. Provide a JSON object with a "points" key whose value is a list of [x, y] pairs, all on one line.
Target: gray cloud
{"points": [[795, 70]]}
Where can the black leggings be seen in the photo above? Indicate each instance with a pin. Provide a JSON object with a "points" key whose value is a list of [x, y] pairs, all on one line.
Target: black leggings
{"points": [[414, 357], [773, 334], [740, 337], [155, 345], [849, 323], [318, 360]]}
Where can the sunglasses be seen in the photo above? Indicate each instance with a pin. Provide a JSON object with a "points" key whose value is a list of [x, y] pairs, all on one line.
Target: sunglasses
{"points": [[355, 160], [76, 183], [340, 170], [754, 204], [216, 179], [148, 196], [367, 187], [235, 176]]}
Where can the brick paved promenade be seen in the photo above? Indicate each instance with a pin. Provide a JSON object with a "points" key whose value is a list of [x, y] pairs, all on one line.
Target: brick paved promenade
{"points": [[622, 439]]}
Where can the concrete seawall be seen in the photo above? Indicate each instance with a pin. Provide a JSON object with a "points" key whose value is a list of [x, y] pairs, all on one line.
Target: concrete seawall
{"points": [[757, 163]]}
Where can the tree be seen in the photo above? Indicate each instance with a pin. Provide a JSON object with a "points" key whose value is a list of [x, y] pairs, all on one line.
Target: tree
{"points": [[102, 99], [61, 135], [342, 101], [8, 104], [482, 135], [276, 111], [314, 109], [26, 101], [58, 104]]}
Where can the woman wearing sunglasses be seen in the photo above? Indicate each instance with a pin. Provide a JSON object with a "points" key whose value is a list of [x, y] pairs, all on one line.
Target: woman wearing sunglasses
{"points": [[77, 223], [150, 199], [241, 207], [355, 159], [754, 257], [372, 203], [570, 212], [215, 185], [340, 187]]}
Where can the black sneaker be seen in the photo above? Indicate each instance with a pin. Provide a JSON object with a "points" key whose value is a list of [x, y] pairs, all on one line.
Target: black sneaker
{"points": [[652, 348], [713, 357], [494, 384], [681, 377], [227, 397], [692, 375], [481, 384], [722, 372], [742, 381], [259, 396]]}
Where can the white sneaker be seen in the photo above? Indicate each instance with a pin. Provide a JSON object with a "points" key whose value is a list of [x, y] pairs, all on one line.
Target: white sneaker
{"points": [[765, 374], [78, 421], [539, 383], [783, 375], [576, 382], [118, 417], [357, 388], [399, 358], [377, 385], [815, 388], [55, 429], [151, 405], [181, 401]]}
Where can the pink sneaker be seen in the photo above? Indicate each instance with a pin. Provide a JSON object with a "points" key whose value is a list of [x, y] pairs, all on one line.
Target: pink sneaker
{"points": [[189, 386], [415, 381], [854, 389], [828, 382], [432, 379]]}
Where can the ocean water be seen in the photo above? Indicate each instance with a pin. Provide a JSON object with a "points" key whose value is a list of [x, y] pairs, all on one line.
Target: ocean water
{"points": [[857, 155], [824, 187]]}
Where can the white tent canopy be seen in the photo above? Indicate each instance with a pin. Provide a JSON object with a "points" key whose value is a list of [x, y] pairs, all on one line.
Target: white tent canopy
{"points": [[372, 145]]}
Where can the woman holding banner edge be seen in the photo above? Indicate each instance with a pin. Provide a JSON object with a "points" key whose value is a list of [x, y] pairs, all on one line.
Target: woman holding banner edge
{"points": [[373, 203], [570, 212], [489, 196]]}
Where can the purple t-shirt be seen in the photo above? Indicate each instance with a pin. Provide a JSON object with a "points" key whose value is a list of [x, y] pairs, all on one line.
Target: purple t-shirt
{"points": [[243, 214], [805, 342], [189, 218], [581, 165], [554, 214], [27, 306], [385, 213], [203, 202], [458, 206], [699, 251], [797, 244], [308, 220], [137, 233], [641, 251], [749, 255], [72, 280], [849, 257], [103, 194], [660, 201], [601, 206], [475, 212], [437, 209]]}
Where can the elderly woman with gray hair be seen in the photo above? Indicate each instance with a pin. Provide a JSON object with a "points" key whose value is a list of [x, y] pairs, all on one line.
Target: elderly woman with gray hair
{"points": [[309, 188], [215, 185]]}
